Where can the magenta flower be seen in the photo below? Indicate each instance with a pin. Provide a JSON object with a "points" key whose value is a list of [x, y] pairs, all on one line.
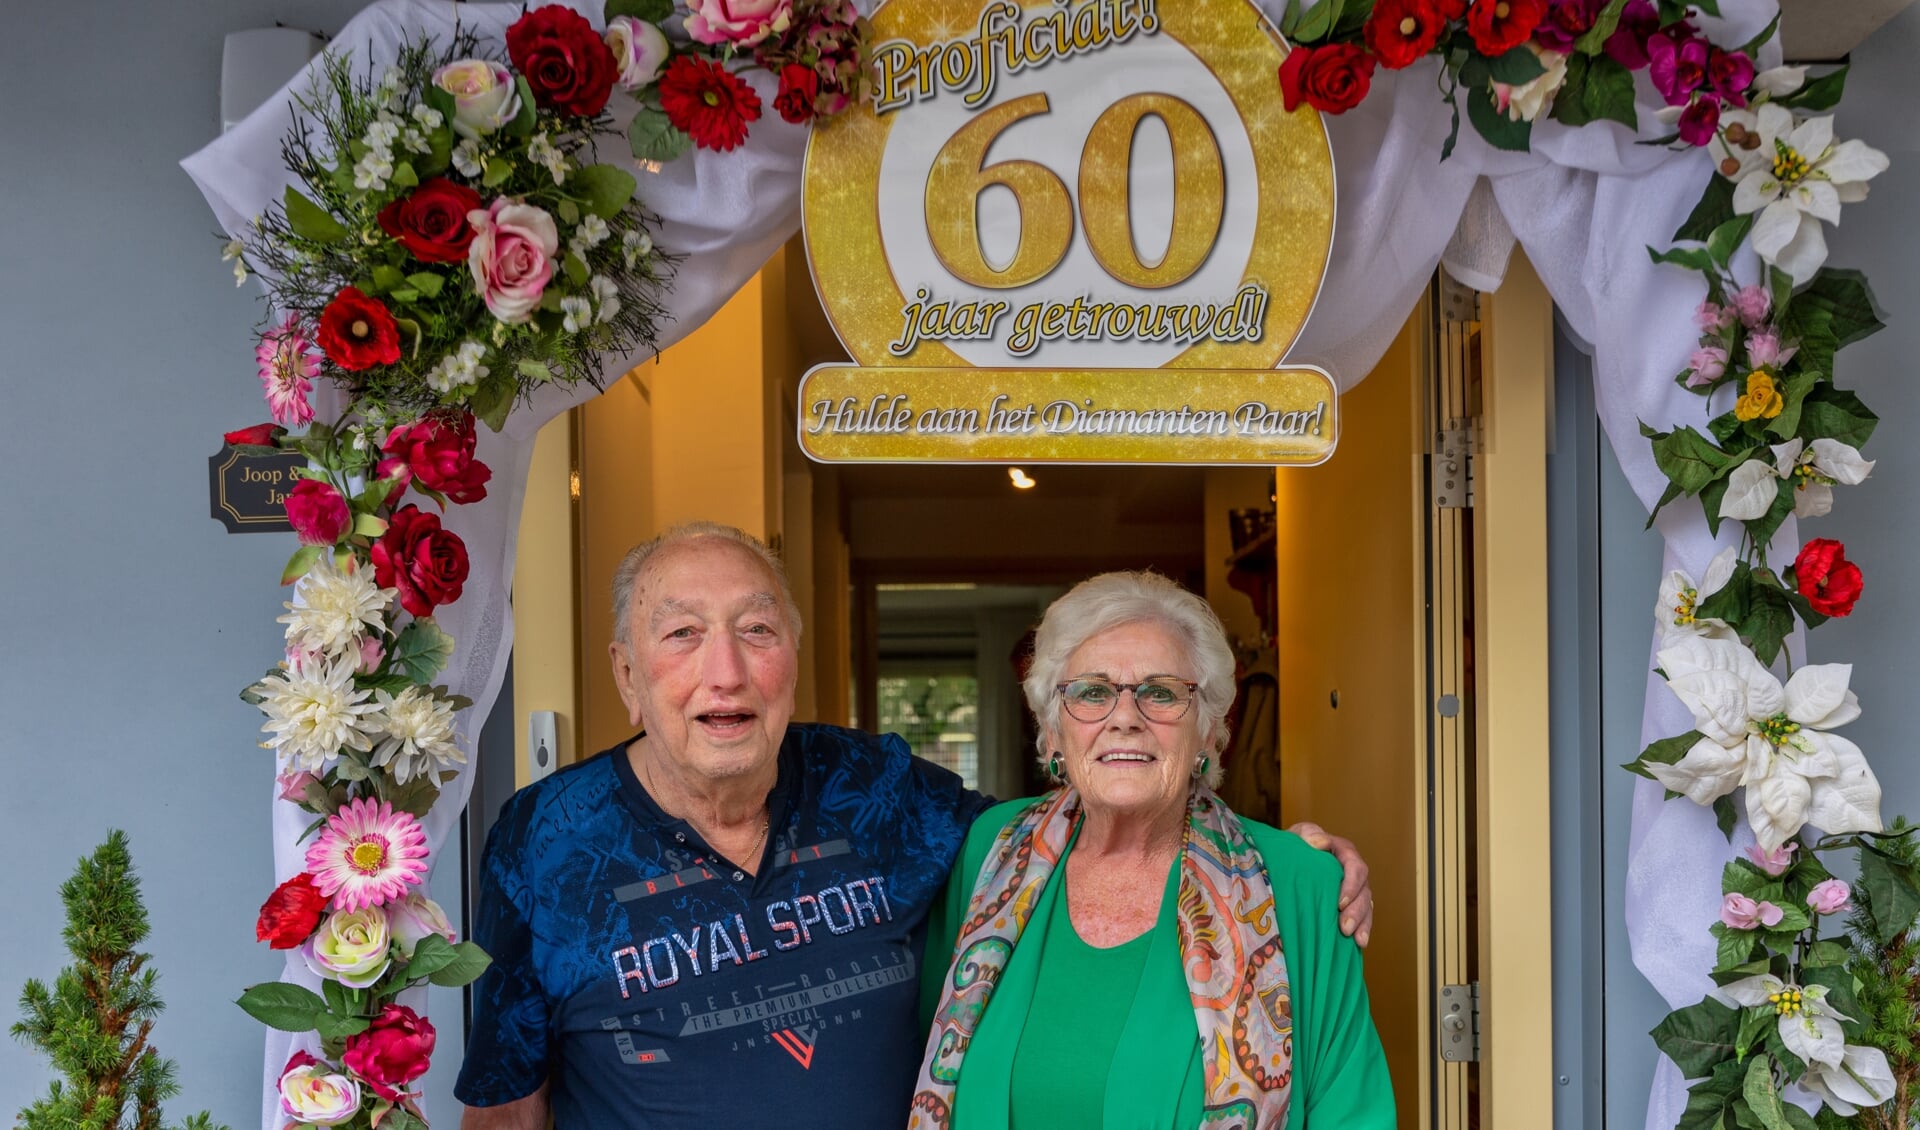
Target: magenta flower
{"points": [[1776, 861], [1753, 304], [1567, 21], [367, 855], [1742, 913], [1830, 897], [1729, 73], [1700, 120], [288, 366], [1627, 46], [1709, 364], [1677, 69]]}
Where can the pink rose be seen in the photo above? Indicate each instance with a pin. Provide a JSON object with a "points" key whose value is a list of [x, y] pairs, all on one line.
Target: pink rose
{"points": [[739, 22], [512, 257], [1709, 363], [1830, 897], [371, 653], [1776, 861], [293, 786], [415, 917], [1753, 304], [318, 512], [1764, 350], [1712, 318], [1742, 913], [639, 50]]}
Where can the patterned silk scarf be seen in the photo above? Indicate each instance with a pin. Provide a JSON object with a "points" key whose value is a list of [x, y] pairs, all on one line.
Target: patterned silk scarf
{"points": [[1229, 950]]}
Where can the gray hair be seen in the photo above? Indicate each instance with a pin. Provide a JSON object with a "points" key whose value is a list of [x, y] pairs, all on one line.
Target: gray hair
{"points": [[1111, 600], [627, 573]]}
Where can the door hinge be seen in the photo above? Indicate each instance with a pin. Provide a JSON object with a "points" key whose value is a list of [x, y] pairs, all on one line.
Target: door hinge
{"points": [[1460, 1023], [1452, 467]]}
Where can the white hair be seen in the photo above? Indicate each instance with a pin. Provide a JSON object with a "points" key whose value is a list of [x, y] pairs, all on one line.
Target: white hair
{"points": [[1111, 600], [628, 571]]}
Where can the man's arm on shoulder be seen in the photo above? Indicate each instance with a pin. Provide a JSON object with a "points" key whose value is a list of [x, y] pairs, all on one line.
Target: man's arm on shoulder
{"points": [[1356, 894], [529, 1113]]}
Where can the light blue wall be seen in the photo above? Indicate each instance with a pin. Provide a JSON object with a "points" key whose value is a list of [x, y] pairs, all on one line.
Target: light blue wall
{"points": [[130, 618]]}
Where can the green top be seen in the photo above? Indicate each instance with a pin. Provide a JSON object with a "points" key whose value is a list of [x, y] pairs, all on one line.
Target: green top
{"points": [[1153, 1077], [1068, 1044]]}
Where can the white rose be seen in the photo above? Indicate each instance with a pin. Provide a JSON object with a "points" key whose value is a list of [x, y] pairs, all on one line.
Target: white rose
{"points": [[484, 96], [639, 48], [1528, 100], [415, 917]]}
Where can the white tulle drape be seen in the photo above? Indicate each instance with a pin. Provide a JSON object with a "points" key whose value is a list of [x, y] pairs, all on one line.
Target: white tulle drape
{"points": [[1584, 204]]}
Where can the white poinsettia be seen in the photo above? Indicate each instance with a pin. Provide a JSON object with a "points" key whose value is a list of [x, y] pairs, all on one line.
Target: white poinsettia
{"points": [[1792, 172], [1815, 469], [1751, 490], [1861, 1079], [313, 711], [1780, 81], [331, 608], [418, 733], [1809, 1026], [1680, 595], [1770, 738]]}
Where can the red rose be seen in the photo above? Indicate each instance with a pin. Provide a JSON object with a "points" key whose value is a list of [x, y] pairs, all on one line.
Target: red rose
{"points": [[357, 331], [707, 103], [1332, 79], [1498, 26], [431, 221], [318, 511], [1401, 32], [426, 563], [438, 450], [259, 435], [1826, 578], [799, 86], [565, 62], [290, 914], [393, 1052]]}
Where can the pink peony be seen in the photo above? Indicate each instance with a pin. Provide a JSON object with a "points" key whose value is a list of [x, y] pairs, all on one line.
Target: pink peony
{"points": [[318, 512], [1709, 364], [742, 23], [1830, 897], [288, 366], [1753, 304], [512, 257], [1773, 861], [1742, 913], [1764, 350], [367, 855]]}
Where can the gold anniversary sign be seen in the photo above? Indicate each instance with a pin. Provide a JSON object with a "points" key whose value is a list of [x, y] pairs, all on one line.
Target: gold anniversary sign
{"points": [[1070, 231]]}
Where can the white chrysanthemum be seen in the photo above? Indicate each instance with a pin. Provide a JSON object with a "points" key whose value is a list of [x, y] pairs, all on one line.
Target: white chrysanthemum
{"points": [[606, 297], [634, 245], [1680, 595], [466, 158], [331, 609], [541, 152], [578, 311], [419, 734], [313, 711]]}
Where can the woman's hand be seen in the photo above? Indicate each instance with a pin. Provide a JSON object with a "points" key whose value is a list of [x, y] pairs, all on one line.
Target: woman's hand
{"points": [[1356, 896]]}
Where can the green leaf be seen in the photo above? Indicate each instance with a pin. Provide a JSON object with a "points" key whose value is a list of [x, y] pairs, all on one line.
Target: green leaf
{"points": [[1733, 947], [339, 997], [608, 189], [1780, 287], [1290, 20], [415, 798], [523, 122], [1708, 1099], [1891, 891], [404, 176], [286, 1007], [427, 283], [469, 962], [492, 398], [386, 277], [297, 565], [576, 269], [1515, 67], [1751, 46], [1688, 458], [1692, 258], [1770, 619], [1667, 496], [1725, 428], [375, 495], [654, 138], [498, 171], [1754, 1023], [1609, 93], [1834, 413], [651, 11], [392, 684], [1698, 1037], [1570, 102], [1726, 238], [440, 100], [421, 650], [310, 221], [369, 525], [1760, 1095], [1500, 131], [1318, 21], [1762, 529], [1793, 397], [333, 1027], [569, 212], [1819, 94], [1715, 208], [430, 956], [1730, 602], [535, 371], [1595, 39], [1804, 610], [1725, 815], [1666, 751], [1353, 19], [1846, 295]]}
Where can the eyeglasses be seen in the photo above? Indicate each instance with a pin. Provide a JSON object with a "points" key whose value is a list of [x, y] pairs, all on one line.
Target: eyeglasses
{"points": [[1159, 699]]}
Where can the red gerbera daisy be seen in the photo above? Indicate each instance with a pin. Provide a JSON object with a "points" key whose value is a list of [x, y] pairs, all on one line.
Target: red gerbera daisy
{"points": [[701, 98], [1401, 32]]}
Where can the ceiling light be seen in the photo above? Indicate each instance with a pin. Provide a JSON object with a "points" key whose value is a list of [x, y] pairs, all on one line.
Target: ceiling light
{"points": [[1020, 479]]}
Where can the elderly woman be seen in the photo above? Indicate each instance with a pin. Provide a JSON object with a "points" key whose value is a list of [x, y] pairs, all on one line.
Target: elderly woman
{"points": [[1124, 949]]}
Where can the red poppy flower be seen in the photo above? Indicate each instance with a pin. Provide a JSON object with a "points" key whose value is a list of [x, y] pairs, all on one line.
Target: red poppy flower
{"points": [[706, 102], [1401, 32], [357, 332], [1498, 26], [1830, 582]]}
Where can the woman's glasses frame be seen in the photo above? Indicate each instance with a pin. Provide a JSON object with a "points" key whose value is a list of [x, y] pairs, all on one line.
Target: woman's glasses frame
{"points": [[1081, 710]]}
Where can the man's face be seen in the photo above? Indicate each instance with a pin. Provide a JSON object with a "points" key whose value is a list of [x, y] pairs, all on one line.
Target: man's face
{"points": [[710, 663]]}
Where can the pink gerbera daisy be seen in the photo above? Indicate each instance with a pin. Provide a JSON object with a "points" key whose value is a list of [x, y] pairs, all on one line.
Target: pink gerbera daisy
{"points": [[367, 855], [288, 365]]}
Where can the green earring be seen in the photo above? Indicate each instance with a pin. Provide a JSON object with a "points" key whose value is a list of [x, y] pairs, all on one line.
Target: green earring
{"points": [[1053, 766], [1201, 769]]}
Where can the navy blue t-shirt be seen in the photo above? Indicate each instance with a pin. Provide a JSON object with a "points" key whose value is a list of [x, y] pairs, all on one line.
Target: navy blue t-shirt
{"points": [[657, 985]]}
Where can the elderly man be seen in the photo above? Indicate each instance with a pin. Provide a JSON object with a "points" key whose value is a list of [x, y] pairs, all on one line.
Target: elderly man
{"points": [[720, 922]]}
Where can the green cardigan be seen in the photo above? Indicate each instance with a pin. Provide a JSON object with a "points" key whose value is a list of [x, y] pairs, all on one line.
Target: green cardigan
{"points": [[1339, 1070]]}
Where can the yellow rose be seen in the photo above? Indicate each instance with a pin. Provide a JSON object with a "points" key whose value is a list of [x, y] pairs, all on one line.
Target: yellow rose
{"points": [[1762, 400]]}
